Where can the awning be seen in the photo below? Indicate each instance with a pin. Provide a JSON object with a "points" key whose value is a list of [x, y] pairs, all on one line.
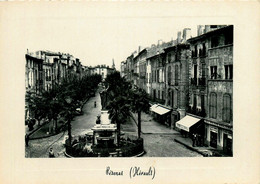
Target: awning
{"points": [[153, 107], [186, 122], [159, 110]]}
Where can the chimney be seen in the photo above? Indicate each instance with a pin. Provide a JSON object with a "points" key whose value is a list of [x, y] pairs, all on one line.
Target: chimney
{"points": [[207, 28], [160, 42], [139, 49], [179, 37], [186, 34], [200, 29]]}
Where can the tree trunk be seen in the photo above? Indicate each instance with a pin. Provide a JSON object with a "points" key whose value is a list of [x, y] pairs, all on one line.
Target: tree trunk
{"points": [[69, 132], [118, 133], [53, 125], [56, 124], [139, 124], [39, 122]]}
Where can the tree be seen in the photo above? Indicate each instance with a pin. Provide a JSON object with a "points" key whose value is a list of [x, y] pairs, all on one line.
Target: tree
{"points": [[118, 101], [68, 112], [139, 104], [36, 108], [117, 85], [119, 111], [124, 99], [50, 103]]}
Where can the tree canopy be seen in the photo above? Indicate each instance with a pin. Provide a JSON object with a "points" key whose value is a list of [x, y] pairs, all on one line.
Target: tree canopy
{"points": [[52, 103], [124, 98]]}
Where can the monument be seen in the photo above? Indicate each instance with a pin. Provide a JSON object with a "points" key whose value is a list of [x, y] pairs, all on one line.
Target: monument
{"points": [[105, 133]]}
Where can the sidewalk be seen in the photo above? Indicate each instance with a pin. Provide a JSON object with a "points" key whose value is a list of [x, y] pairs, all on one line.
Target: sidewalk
{"points": [[205, 151], [45, 127], [129, 127], [39, 148], [35, 128], [150, 126]]}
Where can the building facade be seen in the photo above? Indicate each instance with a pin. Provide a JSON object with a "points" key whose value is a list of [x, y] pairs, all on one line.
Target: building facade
{"points": [[148, 77], [102, 70], [193, 79], [123, 69], [45, 69], [177, 80], [33, 74], [156, 59], [141, 69], [211, 84], [33, 79]]}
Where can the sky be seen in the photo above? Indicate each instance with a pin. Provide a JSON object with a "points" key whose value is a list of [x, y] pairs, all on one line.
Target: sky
{"points": [[98, 40], [92, 35]]}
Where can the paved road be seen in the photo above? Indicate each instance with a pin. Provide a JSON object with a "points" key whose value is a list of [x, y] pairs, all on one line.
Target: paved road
{"points": [[80, 124], [163, 145], [158, 139], [85, 122]]}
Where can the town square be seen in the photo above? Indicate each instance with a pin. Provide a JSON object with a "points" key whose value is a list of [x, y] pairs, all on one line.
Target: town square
{"points": [[171, 99]]}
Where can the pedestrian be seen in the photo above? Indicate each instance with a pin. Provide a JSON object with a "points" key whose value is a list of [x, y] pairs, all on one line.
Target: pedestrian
{"points": [[27, 139], [200, 140], [51, 153], [98, 120], [95, 104], [193, 140]]}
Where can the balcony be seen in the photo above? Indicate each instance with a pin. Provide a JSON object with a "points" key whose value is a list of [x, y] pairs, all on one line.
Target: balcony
{"points": [[193, 81], [48, 78], [220, 85], [176, 83], [194, 54], [202, 81], [198, 81], [197, 111]]}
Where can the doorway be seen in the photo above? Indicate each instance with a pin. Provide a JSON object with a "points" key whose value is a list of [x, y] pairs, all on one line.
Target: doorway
{"points": [[227, 144], [213, 139]]}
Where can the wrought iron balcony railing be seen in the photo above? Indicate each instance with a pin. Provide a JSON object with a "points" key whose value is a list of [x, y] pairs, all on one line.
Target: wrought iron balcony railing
{"points": [[196, 111], [198, 81]]}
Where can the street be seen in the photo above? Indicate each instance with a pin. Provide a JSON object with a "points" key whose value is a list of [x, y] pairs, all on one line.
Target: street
{"points": [[158, 139]]}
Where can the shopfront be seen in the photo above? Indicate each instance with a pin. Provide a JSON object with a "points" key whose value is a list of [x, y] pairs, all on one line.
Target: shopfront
{"points": [[227, 143], [213, 137], [219, 136], [174, 118], [161, 114], [190, 125]]}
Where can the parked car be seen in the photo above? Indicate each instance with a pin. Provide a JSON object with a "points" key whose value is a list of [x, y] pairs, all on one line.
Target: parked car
{"points": [[78, 111]]}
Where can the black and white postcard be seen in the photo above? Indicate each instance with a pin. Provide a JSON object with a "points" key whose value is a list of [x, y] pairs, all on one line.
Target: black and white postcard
{"points": [[129, 92]]}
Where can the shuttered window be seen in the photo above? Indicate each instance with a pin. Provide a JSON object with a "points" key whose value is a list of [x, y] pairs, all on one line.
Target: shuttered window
{"points": [[213, 106], [169, 75], [227, 113]]}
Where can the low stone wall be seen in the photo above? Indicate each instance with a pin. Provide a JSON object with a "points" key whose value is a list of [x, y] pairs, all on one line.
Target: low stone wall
{"points": [[134, 147], [129, 148]]}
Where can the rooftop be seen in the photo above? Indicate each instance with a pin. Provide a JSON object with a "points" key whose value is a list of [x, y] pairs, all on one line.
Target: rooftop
{"points": [[215, 31]]}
